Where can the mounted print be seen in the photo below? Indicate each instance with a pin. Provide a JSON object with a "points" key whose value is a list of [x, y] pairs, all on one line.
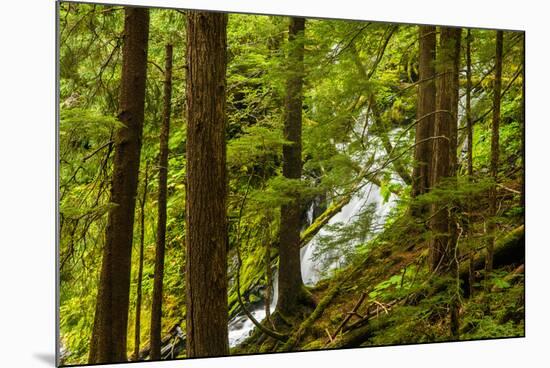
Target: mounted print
{"points": [[244, 184]]}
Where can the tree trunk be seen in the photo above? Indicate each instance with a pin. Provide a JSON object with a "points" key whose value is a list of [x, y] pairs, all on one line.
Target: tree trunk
{"points": [[494, 153], [290, 276], [444, 156], [453, 221], [156, 312], [206, 221], [469, 123], [425, 106], [108, 343], [470, 133], [269, 275], [453, 144], [137, 329]]}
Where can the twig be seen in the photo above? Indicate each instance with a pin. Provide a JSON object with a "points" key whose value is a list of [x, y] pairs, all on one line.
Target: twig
{"points": [[96, 151], [350, 314], [508, 189], [381, 305], [328, 334]]}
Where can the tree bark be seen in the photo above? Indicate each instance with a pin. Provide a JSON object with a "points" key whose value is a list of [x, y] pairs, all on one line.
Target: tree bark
{"points": [[137, 326], [494, 152], [109, 335], [206, 221], [426, 104], [156, 311], [444, 156], [290, 276]]}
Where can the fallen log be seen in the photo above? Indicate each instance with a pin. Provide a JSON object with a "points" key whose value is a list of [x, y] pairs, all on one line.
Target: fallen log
{"points": [[304, 327], [354, 338], [334, 208], [322, 220], [509, 250]]}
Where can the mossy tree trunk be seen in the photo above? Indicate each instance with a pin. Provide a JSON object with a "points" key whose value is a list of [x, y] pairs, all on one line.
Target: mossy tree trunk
{"points": [[470, 139], [109, 335], [137, 328], [206, 219], [444, 151], [290, 276], [424, 111], [443, 249], [494, 152]]}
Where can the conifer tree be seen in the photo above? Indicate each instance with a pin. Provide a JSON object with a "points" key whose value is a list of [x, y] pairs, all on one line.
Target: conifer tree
{"points": [[291, 287], [156, 311], [425, 116], [495, 151], [109, 334], [206, 218]]}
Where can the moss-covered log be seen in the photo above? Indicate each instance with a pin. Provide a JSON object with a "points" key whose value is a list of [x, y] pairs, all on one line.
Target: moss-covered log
{"points": [[356, 337], [322, 220], [509, 250], [304, 327]]}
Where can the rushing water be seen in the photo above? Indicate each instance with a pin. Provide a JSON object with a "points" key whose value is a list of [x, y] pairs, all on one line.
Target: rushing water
{"points": [[368, 195]]}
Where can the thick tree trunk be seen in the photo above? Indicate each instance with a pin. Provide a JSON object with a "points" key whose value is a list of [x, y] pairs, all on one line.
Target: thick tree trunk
{"points": [[290, 276], [444, 156], [206, 221], [494, 152], [108, 343], [137, 326], [424, 112], [156, 312], [443, 250]]}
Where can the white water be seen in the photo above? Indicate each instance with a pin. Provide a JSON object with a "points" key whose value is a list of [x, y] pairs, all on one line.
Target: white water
{"points": [[241, 326], [369, 194]]}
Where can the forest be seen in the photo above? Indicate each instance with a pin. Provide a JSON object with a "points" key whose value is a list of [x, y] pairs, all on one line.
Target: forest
{"points": [[238, 184]]}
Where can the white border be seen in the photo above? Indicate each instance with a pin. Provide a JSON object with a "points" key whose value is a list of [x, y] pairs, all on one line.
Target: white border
{"points": [[27, 184]]}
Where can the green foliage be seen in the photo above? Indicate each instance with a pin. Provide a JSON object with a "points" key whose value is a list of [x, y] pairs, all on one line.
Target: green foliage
{"points": [[359, 111], [341, 242]]}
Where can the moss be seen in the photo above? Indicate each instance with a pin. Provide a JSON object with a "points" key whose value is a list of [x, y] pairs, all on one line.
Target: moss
{"points": [[314, 345]]}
